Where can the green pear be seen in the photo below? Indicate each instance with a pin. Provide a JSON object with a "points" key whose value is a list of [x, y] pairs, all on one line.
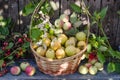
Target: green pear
{"points": [[81, 36], [70, 50], [50, 54]]}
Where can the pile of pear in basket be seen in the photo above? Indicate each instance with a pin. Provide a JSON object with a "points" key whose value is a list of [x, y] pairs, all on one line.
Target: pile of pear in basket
{"points": [[58, 46]]}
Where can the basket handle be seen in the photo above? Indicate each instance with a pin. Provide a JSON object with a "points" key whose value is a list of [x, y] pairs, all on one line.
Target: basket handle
{"points": [[43, 1], [88, 20], [35, 10]]}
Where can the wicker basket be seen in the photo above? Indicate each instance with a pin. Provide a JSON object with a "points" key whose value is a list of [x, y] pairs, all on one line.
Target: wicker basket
{"points": [[63, 66]]}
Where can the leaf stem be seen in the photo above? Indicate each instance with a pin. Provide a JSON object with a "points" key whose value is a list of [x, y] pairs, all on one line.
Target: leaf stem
{"points": [[10, 54], [101, 28]]}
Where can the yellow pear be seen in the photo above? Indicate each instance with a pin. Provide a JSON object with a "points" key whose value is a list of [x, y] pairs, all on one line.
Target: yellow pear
{"points": [[46, 41], [55, 44], [34, 46], [81, 45], [62, 38], [60, 53], [41, 51]]}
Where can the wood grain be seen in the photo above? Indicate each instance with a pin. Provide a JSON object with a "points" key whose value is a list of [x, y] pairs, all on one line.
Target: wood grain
{"points": [[13, 13], [111, 23]]}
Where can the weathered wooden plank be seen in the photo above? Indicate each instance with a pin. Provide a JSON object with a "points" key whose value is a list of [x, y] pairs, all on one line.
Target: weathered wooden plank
{"points": [[94, 5], [117, 35], [23, 21], [57, 12], [64, 6], [69, 10], [110, 22], [4, 8], [13, 13]]}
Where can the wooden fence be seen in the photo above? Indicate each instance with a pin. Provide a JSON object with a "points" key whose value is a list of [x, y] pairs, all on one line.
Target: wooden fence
{"points": [[12, 8]]}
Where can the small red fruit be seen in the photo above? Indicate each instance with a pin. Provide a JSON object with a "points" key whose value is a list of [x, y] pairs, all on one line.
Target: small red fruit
{"points": [[3, 48], [92, 56], [88, 65], [5, 43], [20, 40], [4, 65], [30, 70], [15, 70]]}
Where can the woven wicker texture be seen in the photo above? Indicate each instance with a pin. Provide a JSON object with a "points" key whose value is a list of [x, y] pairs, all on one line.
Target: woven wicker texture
{"points": [[63, 66]]}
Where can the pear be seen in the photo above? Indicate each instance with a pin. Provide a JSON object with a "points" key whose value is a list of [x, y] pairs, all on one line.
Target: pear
{"points": [[70, 50], [77, 50], [46, 41], [99, 66], [83, 70], [60, 53], [73, 38], [70, 41], [81, 36], [62, 38], [81, 45], [41, 51], [50, 54], [34, 46], [55, 44], [93, 70]]}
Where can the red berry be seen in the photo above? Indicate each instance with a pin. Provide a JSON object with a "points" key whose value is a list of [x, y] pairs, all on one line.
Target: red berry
{"points": [[17, 56], [8, 52], [4, 64], [92, 56], [20, 40], [3, 48], [5, 43]]}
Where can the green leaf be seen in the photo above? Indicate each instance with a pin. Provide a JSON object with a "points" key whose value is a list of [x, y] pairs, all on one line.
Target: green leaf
{"points": [[103, 13], [114, 53], [10, 57], [117, 54], [26, 45], [111, 67], [73, 17], [102, 48], [76, 8], [101, 57], [4, 31], [1, 62], [28, 9], [10, 45], [2, 37], [47, 26], [117, 67], [36, 33]]}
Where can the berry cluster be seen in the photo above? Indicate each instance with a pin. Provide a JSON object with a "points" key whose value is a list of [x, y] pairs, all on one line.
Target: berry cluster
{"points": [[11, 49]]}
